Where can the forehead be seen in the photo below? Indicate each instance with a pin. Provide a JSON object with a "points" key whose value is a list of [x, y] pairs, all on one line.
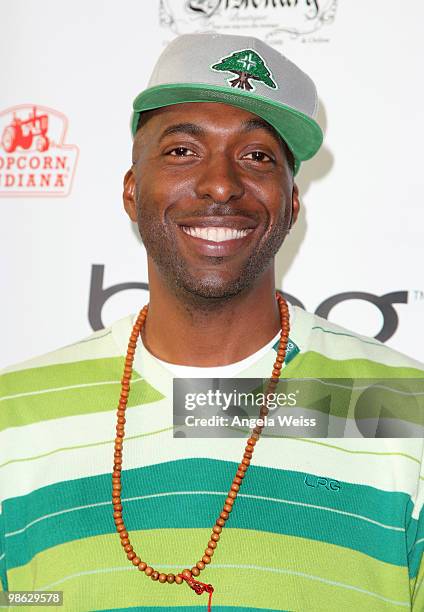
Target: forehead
{"points": [[209, 116]]}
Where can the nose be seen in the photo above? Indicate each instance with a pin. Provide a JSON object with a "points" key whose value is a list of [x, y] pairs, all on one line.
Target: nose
{"points": [[219, 180]]}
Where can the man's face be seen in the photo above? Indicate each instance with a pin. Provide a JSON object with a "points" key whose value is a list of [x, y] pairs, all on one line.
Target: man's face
{"points": [[212, 193]]}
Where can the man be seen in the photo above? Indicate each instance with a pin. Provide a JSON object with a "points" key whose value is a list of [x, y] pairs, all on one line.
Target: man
{"points": [[318, 524]]}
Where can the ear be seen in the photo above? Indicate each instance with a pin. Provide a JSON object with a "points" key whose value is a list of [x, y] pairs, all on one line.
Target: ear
{"points": [[295, 204], [128, 195]]}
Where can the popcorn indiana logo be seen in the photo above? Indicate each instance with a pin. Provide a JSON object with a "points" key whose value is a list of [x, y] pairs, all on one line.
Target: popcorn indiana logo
{"points": [[34, 160]]}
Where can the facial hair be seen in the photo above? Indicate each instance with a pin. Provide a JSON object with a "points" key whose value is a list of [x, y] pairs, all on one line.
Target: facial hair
{"points": [[161, 246]]}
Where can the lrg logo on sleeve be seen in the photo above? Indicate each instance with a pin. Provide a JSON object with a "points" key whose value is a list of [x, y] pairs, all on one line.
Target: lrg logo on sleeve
{"points": [[319, 481]]}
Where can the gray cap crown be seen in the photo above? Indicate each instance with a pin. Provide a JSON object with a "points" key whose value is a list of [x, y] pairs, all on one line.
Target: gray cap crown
{"points": [[190, 57]]}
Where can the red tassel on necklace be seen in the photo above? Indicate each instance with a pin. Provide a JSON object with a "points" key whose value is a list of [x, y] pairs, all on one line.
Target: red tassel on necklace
{"points": [[199, 588]]}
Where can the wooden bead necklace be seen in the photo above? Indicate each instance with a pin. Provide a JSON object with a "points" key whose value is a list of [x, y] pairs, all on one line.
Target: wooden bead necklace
{"points": [[187, 575]]}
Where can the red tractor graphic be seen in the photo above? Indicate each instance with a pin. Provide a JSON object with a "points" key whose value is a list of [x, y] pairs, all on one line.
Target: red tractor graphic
{"points": [[21, 133]]}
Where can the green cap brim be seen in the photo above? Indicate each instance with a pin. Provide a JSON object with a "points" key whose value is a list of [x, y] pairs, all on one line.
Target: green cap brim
{"points": [[302, 134]]}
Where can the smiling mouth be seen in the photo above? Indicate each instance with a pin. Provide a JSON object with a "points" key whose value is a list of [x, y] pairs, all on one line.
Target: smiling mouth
{"points": [[216, 234]]}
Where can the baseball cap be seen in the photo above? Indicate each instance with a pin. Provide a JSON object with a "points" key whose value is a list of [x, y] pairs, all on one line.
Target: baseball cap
{"points": [[242, 71]]}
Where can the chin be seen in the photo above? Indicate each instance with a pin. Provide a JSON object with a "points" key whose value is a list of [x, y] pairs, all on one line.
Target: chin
{"points": [[211, 287]]}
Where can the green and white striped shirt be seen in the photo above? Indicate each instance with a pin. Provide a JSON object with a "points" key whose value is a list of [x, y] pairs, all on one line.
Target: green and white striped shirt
{"points": [[287, 545]]}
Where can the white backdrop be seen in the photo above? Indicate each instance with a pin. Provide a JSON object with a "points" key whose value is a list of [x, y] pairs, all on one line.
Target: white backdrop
{"points": [[80, 64]]}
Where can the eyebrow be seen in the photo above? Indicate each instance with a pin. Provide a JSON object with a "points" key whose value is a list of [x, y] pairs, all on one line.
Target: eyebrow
{"points": [[185, 128], [260, 124], [249, 125]]}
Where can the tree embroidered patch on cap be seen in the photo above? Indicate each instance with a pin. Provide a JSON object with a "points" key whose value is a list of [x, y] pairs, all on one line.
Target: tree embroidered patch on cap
{"points": [[247, 65]]}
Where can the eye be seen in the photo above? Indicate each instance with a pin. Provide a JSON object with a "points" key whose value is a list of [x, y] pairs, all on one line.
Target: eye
{"points": [[181, 152], [259, 156]]}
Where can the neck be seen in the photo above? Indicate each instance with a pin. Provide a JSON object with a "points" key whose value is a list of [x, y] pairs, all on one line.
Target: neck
{"points": [[210, 332]]}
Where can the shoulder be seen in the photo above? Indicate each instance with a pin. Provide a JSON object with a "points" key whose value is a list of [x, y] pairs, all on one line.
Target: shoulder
{"points": [[338, 348], [93, 358]]}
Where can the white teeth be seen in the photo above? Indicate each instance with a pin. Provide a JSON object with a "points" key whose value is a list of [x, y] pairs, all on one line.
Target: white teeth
{"points": [[212, 234], [216, 234]]}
